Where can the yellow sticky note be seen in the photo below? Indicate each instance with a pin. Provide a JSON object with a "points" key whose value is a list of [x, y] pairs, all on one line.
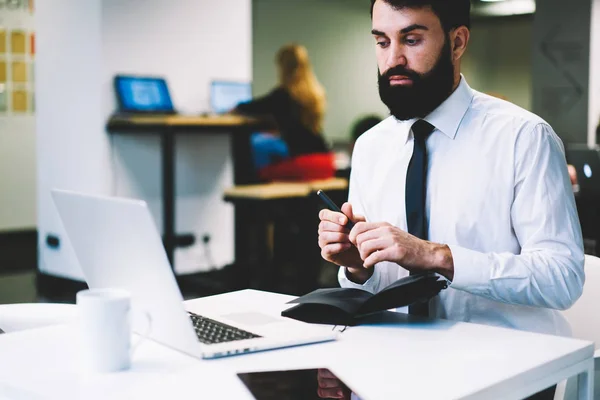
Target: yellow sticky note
{"points": [[19, 71], [17, 42], [2, 71], [2, 41], [19, 101]]}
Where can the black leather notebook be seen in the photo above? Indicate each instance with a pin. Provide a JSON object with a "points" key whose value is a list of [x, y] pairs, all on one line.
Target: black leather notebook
{"points": [[345, 306]]}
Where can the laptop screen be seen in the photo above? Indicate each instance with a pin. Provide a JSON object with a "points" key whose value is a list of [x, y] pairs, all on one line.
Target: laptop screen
{"points": [[143, 94], [587, 163], [224, 96]]}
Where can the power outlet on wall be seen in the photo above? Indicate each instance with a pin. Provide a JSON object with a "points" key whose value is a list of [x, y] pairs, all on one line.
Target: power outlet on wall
{"points": [[202, 254], [53, 241]]}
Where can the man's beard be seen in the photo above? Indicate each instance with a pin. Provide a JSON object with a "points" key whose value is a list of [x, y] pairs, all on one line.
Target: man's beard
{"points": [[426, 93]]}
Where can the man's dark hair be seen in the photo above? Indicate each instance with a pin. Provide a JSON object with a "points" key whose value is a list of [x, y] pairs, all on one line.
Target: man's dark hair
{"points": [[452, 13]]}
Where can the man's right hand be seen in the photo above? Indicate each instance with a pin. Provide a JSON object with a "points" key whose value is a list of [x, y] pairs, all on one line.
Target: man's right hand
{"points": [[335, 243], [330, 387]]}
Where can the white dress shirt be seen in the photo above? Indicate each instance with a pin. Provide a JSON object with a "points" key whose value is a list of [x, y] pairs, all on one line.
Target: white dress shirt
{"points": [[498, 194]]}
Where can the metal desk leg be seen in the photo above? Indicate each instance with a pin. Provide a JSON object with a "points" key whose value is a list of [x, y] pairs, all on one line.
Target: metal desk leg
{"points": [[168, 192], [243, 166], [585, 384]]}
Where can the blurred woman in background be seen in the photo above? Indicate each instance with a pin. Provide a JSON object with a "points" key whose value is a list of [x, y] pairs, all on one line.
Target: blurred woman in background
{"points": [[297, 108]]}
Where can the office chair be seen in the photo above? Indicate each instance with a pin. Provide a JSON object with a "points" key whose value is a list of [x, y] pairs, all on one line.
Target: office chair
{"points": [[585, 323]]}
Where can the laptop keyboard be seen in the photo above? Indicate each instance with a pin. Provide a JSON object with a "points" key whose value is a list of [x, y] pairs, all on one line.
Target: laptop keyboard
{"points": [[210, 331]]}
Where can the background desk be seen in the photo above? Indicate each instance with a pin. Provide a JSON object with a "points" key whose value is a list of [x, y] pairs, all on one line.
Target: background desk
{"points": [[284, 190], [394, 356], [265, 243], [167, 127]]}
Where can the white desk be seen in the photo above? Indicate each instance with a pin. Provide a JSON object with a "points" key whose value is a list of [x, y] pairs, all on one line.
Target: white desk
{"points": [[401, 358], [18, 317]]}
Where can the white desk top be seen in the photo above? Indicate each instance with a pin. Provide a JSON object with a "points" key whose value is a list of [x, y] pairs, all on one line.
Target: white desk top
{"points": [[398, 358], [17, 317]]}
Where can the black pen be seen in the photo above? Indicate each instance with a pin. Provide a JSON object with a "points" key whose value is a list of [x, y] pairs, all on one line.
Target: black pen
{"points": [[333, 207]]}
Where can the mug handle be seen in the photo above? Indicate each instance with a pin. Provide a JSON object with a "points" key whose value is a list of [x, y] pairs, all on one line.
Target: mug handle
{"points": [[142, 337]]}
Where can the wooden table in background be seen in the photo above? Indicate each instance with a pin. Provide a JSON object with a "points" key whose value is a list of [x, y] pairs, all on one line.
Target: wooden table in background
{"points": [[265, 211]]}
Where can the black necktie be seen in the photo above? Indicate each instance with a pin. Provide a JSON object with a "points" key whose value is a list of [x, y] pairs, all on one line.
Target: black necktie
{"points": [[416, 193]]}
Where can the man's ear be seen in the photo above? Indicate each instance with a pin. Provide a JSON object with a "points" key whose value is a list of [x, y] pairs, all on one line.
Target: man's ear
{"points": [[459, 38]]}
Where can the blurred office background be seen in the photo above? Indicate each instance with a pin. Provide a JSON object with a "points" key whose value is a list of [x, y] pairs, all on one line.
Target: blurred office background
{"points": [[57, 63]]}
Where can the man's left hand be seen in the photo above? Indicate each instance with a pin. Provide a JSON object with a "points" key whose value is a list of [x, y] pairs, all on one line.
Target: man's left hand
{"points": [[380, 241]]}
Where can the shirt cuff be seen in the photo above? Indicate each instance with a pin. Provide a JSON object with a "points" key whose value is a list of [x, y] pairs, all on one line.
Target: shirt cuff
{"points": [[472, 269], [370, 285]]}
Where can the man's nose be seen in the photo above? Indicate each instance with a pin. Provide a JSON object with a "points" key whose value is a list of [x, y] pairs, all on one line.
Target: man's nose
{"points": [[396, 57]]}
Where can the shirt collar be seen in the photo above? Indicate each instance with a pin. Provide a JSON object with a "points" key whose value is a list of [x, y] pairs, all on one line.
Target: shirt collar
{"points": [[447, 117]]}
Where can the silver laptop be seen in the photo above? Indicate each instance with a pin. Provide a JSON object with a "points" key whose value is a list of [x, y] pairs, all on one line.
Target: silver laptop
{"points": [[118, 246]]}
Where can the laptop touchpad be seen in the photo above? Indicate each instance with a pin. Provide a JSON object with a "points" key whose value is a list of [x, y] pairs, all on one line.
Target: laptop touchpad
{"points": [[251, 318]]}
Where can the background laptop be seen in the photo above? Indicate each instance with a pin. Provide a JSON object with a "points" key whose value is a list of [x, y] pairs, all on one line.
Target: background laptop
{"points": [[118, 246], [143, 95], [587, 163], [225, 95]]}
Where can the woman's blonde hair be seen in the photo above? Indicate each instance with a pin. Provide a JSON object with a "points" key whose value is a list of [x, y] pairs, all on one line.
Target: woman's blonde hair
{"points": [[297, 77]]}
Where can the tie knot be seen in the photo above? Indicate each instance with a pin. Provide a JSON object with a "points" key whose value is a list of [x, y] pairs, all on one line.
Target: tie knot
{"points": [[422, 129]]}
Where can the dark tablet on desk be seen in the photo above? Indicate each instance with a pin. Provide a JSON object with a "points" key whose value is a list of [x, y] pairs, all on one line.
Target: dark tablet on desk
{"points": [[300, 384]]}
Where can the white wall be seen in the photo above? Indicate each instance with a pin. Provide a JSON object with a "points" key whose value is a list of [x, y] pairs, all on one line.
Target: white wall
{"points": [[337, 34], [189, 42], [72, 149], [17, 147]]}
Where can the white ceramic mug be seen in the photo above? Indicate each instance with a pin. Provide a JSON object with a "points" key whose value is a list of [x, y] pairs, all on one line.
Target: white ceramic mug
{"points": [[105, 329]]}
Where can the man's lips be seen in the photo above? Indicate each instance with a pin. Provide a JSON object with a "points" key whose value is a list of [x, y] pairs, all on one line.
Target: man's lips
{"points": [[400, 80]]}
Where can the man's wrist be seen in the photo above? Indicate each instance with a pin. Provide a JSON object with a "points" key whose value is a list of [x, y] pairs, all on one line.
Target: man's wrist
{"points": [[359, 275], [443, 263]]}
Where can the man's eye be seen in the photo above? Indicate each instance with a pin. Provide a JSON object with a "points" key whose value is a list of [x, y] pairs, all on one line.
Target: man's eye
{"points": [[382, 44], [412, 42]]}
